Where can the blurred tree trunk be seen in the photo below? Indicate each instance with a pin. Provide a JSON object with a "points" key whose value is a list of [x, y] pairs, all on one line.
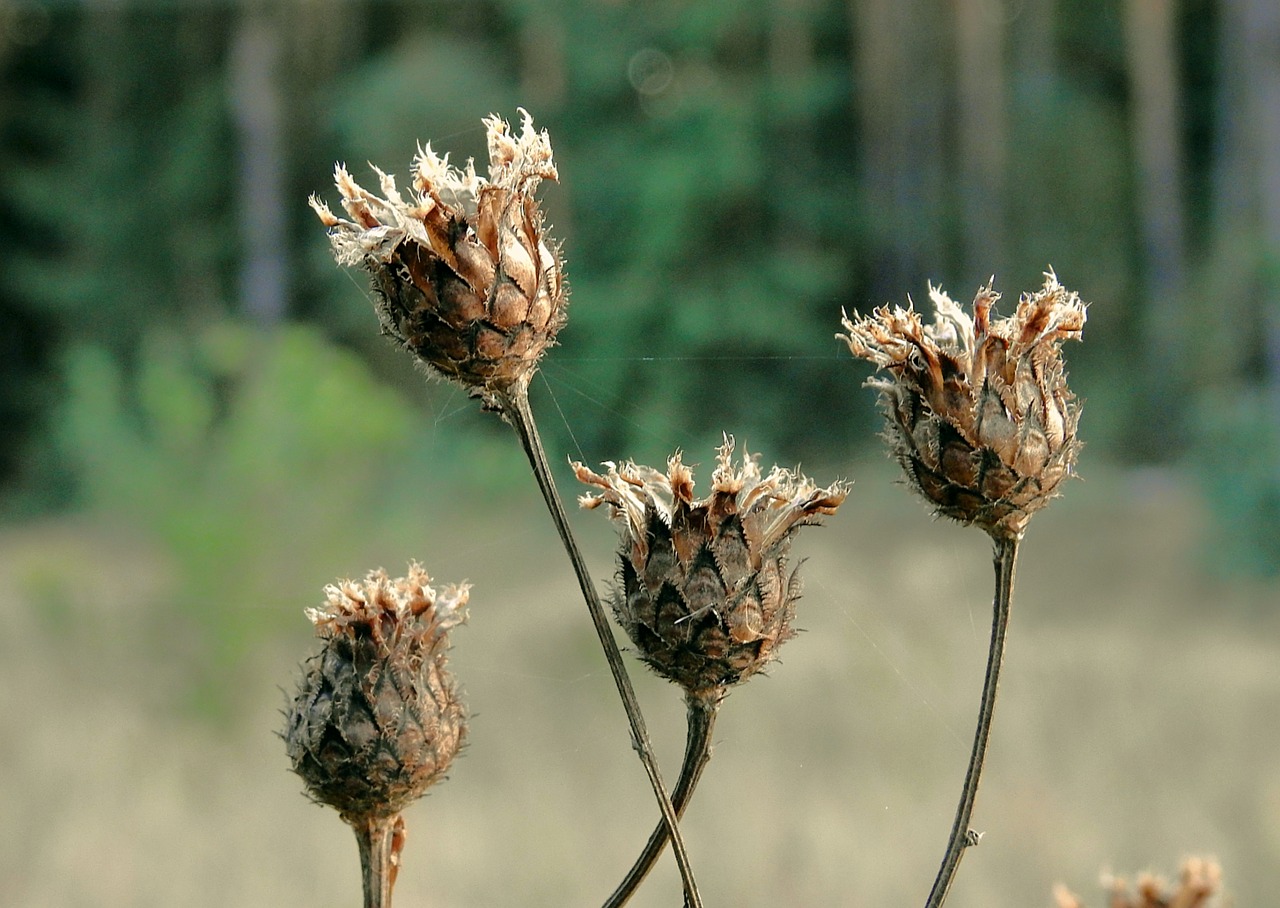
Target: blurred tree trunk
{"points": [[791, 65], [1262, 61], [280, 54], [258, 104], [983, 128], [1247, 195], [900, 99], [1155, 124], [1156, 127], [1034, 46], [1150, 30]]}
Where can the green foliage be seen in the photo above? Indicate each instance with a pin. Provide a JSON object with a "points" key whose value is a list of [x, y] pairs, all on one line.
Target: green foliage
{"points": [[1238, 457], [713, 205], [114, 194], [136, 222], [262, 462], [375, 117], [705, 280]]}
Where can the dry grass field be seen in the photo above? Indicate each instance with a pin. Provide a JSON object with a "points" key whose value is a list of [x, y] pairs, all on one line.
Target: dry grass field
{"points": [[1139, 722]]}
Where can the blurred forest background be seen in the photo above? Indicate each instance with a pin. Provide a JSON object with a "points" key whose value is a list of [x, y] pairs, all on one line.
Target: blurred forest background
{"points": [[201, 425], [733, 174]]}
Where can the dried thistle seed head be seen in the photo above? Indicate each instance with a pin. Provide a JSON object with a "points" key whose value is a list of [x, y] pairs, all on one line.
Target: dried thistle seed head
{"points": [[465, 277], [979, 413], [1198, 882], [703, 589], [377, 718]]}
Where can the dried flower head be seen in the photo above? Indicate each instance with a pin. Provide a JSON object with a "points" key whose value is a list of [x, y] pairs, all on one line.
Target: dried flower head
{"points": [[377, 718], [703, 589], [466, 279], [1198, 882], [979, 413]]}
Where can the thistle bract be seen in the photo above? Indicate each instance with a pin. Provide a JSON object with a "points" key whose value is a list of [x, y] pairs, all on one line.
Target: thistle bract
{"points": [[465, 278], [703, 588], [377, 718], [978, 410]]}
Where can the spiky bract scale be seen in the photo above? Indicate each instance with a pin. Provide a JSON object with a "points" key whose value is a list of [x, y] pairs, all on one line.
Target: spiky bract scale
{"points": [[465, 277], [978, 410], [377, 718], [704, 592]]}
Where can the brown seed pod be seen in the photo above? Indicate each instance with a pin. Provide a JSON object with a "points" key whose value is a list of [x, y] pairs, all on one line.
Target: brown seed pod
{"points": [[465, 278], [377, 718], [703, 589], [978, 410]]}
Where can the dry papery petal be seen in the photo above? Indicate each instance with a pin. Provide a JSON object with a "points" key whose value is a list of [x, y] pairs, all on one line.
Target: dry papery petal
{"points": [[978, 409], [465, 277], [391, 608], [703, 589]]}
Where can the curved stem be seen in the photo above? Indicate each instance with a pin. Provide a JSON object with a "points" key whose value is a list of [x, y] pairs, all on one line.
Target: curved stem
{"points": [[702, 711], [377, 858], [1006, 554], [515, 407]]}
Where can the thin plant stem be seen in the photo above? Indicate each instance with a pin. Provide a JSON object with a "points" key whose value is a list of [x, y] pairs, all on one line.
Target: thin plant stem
{"points": [[375, 835], [962, 837], [515, 407], [701, 720]]}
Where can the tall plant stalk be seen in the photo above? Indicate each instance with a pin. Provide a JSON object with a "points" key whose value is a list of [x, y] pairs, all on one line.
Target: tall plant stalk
{"points": [[374, 836], [962, 836], [377, 718], [515, 408], [979, 416], [703, 587], [981, 419], [701, 720]]}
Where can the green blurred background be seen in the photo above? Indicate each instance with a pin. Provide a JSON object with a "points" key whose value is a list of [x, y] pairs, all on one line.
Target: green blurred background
{"points": [[201, 427]]}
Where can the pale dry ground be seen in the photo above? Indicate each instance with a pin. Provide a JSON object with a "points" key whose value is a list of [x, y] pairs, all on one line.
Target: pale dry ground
{"points": [[1139, 722]]}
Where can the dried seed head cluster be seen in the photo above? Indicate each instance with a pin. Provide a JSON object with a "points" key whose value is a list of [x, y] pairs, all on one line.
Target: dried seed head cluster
{"points": [[703, 588], [1198, 882], [466, 279], [377, 718], [979, 413]]}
